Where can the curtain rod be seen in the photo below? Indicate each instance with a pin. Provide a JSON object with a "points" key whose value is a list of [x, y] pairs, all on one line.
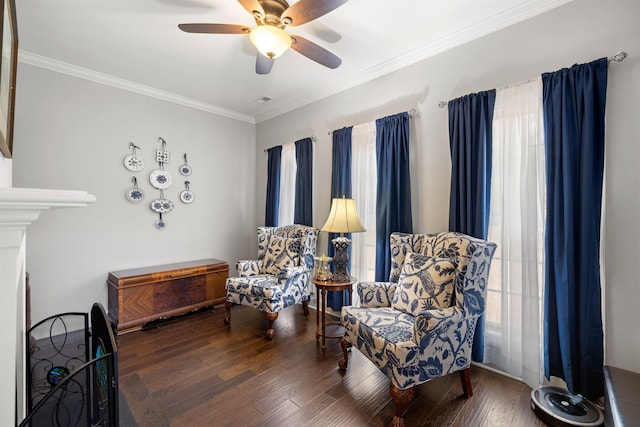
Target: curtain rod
{"points": [[618, 57], [412, 113], [313, 138]]}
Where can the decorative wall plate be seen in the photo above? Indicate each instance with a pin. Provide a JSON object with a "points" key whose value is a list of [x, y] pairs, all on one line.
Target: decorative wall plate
{"points": [[185, 169], [163, 156], [134, 194], [162, 205], [187, 196], [160, 223], [133, 162], [160, 179]]}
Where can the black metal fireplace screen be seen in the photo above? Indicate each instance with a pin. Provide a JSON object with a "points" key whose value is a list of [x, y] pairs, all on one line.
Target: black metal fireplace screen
{"points": [[72, 374]]}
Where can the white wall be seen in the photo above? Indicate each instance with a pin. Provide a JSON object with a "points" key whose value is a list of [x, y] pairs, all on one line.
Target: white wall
{"points": [[73, 134], [579, 32], [5, 171]]}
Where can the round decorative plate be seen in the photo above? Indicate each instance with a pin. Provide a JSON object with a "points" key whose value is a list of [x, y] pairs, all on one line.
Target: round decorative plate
{"points": [[134, 195], [160, 179], [161, 224], [187, 196], [133, 162], [162, 205], [185, 169]]}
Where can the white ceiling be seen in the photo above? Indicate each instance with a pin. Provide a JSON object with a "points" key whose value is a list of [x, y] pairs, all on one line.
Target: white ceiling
{"points": [[136, 44]]}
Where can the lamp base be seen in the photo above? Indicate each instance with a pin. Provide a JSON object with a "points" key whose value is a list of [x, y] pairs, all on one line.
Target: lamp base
{"points": [[341, 259]]}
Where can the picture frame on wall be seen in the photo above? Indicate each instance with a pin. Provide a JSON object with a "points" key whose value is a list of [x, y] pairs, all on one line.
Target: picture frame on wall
{"points": [[8, 65]]}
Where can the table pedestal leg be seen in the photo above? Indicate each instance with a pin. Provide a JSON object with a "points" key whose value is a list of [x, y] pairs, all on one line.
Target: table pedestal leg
{"points": [[318, 308], [323, 347]]}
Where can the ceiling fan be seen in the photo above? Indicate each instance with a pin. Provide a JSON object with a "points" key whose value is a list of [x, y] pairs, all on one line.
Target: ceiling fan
{"points": [[269, 37]]}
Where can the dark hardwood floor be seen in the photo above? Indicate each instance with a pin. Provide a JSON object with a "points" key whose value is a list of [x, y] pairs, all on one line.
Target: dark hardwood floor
{"points": [[195, 371]]}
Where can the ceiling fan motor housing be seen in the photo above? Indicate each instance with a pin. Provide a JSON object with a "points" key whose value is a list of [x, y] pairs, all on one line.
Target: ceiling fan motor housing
{"points": [[273, 10], [269, 35]]}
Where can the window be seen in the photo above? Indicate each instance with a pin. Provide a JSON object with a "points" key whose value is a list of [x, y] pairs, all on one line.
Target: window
{"points": [[516, 223], [288, 170], [364, 179]]}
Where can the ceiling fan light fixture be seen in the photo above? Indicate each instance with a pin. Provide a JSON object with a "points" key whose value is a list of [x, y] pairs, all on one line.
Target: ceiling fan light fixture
{"points": [[271, 41]]}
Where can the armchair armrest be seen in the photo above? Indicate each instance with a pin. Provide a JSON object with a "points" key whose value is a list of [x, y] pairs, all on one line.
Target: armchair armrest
{"points": [[430, 323], [247, 268], [292, 271], [295, 281], [376, 294]]}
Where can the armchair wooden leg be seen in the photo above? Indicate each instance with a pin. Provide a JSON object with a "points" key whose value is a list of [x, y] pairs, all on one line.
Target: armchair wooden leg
{"points": [[305, 307], [465, 378], [227, 306], [401, 400], [345, 345], [271, 317]]}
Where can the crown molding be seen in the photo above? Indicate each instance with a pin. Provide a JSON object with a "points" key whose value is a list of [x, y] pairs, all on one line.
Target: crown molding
{"points": [[108, 80], [516, 14], [490, 25]]}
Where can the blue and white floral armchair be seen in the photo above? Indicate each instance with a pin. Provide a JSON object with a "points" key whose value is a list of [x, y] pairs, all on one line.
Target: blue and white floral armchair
{"points": [[280, 277], [420, 325]]}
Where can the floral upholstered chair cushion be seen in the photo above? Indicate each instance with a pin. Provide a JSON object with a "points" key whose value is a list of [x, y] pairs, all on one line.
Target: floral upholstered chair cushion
{"points": [[281, 253], [279, 277], [426, 283], [421, 323]]}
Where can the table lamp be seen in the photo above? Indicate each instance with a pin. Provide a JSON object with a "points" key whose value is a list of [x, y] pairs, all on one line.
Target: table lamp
{"points": [[343, 218]]}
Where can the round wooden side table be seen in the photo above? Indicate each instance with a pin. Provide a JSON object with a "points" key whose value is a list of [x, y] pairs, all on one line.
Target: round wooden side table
{"points": [[331, 329]]}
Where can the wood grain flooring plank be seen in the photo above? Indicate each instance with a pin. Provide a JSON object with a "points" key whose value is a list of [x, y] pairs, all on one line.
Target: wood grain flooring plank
{"points": [[194, 371], [144, 409]]}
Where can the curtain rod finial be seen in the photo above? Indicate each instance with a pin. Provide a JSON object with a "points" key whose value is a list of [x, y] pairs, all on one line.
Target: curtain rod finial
{"points": [[442, 104], [618, 57]]}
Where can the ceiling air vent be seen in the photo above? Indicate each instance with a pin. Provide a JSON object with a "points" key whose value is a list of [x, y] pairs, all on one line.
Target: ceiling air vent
{"points": [[263, 99]]}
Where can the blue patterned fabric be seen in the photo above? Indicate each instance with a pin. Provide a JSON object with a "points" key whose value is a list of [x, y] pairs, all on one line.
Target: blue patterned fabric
{"points": [[281, 253], [376, 294], [412, 349], [426, 283], [291, 285]]}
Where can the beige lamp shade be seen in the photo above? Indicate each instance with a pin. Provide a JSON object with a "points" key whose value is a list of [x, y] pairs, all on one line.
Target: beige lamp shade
{"points": [[343, 217], [270, 40]]}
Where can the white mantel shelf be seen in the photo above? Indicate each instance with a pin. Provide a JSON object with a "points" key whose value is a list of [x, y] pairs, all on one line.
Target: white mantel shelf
{"points": [[20, 207]]}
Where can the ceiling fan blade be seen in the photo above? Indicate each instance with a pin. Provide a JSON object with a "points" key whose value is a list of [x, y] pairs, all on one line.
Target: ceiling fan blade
{"points": [[252, 6], [263, 64], [308, 10], [214, 28], [315, 52]]}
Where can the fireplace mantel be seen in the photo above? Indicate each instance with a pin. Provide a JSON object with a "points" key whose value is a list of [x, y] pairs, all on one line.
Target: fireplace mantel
{"points": [[20, 207]]}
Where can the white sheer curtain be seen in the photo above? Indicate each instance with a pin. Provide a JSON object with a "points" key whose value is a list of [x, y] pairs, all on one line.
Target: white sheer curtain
{"points": [[288, 170], [363, 188], [516, 220]]}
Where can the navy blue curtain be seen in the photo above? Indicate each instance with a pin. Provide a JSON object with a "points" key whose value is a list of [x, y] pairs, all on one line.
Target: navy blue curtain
{"points": [[273, 186], [393, 192], [340, 186], [470, 137], [303, 213], [574, 109]]}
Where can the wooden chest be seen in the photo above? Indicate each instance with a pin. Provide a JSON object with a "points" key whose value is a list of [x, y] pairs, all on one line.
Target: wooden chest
{"points": [[140, 295]]}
